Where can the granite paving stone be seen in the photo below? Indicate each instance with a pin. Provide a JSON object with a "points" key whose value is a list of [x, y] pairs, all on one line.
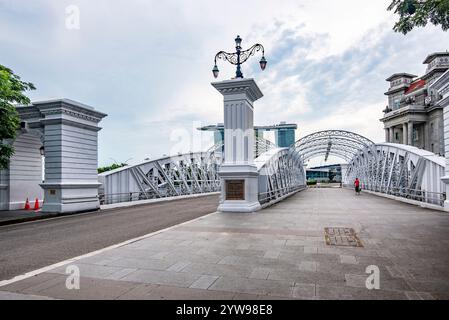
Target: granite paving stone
{"points": [[90, 289], [179, 279], [254, 286], [277, 253], [260, 273], [204, 282], [348, 259]]}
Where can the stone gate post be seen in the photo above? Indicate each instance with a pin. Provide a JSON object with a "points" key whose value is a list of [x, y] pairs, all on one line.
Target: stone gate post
{"points": [[70, 138]]}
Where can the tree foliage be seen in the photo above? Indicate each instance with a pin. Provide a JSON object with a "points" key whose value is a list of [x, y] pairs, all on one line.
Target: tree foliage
{"points": [[111, 167], [417, 13], [11, 91]]}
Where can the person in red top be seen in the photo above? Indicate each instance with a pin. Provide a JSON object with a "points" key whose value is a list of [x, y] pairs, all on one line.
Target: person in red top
{"points": [[357, 185]]}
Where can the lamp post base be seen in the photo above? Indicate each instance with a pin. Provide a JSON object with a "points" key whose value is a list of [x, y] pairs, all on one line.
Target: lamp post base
{"points": [[239, 188]]}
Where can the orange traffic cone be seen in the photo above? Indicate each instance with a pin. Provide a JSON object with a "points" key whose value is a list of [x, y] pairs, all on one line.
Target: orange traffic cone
{"points": [[27, 205], [36, 204]]}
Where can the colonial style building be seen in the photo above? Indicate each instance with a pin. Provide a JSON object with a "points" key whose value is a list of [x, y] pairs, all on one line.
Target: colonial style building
{"points": [[412, 116]]}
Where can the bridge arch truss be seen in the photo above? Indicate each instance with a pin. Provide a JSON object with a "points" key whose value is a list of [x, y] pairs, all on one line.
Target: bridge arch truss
{"points": [[170, 176], [392, 169], [400, 170], [340, 143]]}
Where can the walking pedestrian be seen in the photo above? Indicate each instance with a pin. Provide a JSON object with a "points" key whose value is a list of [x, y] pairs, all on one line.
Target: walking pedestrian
{"points": [[357, 186]]}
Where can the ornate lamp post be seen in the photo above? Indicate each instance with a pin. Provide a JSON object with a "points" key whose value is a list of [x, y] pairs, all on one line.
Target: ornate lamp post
{"points": [[238, 173], [239, 57]]}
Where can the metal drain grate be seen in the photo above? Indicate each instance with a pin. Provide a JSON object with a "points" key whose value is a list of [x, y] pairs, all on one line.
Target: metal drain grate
{"points": [[336, 236]]}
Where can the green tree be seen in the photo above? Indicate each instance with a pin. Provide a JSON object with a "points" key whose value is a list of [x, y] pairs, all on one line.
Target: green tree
{"points": [[11, 91], [417, 13], [111, 167]]}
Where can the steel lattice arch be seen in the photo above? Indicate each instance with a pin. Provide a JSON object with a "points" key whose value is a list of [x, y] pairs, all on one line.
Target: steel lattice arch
{"points": [[399, 170], [169, 176], [183, 174], [392, 169], [340, 143], [281, 173]]}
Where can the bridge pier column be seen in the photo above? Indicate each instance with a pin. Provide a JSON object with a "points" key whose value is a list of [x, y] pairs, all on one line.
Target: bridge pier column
{"points": [[238, 173], [70, 131], [70, 141]]}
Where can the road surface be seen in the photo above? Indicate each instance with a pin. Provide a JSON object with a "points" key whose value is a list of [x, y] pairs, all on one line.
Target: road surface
{"points": [[29, 246]]}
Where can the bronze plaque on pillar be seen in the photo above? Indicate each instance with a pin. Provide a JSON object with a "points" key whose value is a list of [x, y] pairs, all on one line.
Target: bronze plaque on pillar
{"points": [[235, 189]]}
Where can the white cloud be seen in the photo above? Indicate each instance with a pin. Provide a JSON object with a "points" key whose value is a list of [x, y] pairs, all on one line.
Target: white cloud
{"points": [[362, 119], [344, 21], [148, 63]]}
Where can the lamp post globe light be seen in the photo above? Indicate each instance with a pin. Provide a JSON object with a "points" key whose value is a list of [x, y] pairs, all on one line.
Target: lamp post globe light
{"points": [[239, 57]]}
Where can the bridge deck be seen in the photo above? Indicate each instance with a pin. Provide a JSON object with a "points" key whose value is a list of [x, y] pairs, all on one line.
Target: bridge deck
{"points": [[279, 252]]}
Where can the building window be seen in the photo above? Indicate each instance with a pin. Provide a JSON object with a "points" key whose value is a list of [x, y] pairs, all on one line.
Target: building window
{"points": [[415, 134], [432, 149], [396, 104], [397, 136]]}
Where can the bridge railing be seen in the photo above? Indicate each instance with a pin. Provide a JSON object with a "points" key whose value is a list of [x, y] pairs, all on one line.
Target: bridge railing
{"points": [[399, 170], [124, 197], [183, 174], [437, 198], [281, 173], [262, 145]]}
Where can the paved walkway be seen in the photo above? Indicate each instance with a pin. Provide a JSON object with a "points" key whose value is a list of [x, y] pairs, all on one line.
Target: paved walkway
{"points": [[28, 246], [278, 253]]}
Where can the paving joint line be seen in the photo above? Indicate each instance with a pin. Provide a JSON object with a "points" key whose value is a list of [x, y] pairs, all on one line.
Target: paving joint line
{"points": [[93, 253]]}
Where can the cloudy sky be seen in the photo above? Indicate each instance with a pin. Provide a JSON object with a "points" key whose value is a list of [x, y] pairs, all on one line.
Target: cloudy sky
{"points": [[147, 64]]}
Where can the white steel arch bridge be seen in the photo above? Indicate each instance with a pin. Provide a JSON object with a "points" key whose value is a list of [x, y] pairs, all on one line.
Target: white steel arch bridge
{"points": [[340, 143], [396, 170]]}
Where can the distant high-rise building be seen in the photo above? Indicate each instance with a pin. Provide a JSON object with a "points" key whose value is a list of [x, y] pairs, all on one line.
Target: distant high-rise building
{"points": [[284, 133]]}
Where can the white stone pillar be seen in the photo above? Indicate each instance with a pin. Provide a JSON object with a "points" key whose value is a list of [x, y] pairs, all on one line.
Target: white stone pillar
{"points": [[387, 134], [238, 173], [410, 133], [425, 137], [71, 156], [391, 140], [404, 133]]}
